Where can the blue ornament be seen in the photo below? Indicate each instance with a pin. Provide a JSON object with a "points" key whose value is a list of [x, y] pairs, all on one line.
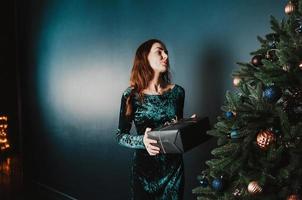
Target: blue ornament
{"points": [[272, 94], [235, 134], [229, 115], [217, 184], [204, 182]]}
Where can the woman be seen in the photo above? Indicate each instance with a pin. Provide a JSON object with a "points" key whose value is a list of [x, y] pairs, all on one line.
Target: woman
{"points": [[150, 101]]}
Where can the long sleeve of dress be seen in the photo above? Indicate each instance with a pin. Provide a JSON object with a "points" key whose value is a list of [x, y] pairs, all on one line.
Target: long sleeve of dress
{"points": [[123, 135]]}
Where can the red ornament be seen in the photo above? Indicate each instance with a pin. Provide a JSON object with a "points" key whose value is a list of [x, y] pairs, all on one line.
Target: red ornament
{"points": [[256, 60]]}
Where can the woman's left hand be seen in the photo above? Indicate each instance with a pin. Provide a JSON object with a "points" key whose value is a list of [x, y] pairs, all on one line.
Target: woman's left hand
{"points": [[151, 149]]}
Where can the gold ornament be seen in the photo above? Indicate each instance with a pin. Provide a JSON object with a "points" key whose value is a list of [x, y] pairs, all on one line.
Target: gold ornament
{"points": [[236, 81], [265, 138], [289, 8], [254, 187], [293, 197], [300, 65]]}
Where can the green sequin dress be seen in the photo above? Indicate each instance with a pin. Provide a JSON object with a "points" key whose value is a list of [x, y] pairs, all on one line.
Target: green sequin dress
{"points": [[157, 177]]}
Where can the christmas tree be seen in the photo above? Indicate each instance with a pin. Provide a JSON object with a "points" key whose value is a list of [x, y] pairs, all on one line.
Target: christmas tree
{"points": [[259, 152]]}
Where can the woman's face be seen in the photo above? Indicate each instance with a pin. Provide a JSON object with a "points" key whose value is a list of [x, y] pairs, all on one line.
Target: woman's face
{"points": [[158, 58]]}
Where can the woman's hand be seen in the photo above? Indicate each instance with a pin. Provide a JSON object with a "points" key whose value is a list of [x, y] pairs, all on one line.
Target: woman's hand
{"points": [[152, 150]]}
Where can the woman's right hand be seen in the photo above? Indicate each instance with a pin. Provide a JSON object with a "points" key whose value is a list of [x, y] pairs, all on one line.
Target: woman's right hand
{"points": [[152, 150]]}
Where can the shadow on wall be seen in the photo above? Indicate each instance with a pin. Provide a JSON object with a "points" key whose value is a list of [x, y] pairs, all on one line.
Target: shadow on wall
{"points": [[212, 74], [213, 63]]}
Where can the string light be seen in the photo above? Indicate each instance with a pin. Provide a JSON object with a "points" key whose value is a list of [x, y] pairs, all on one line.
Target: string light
{"points": [[4, 145]]}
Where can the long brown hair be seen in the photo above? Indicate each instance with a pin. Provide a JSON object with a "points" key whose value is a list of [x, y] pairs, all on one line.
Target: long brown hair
{"points": [[142, 73]]}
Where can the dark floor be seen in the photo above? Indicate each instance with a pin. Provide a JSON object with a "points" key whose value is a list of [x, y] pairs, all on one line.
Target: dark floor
{"points": [[12, 183], [10, 177]]}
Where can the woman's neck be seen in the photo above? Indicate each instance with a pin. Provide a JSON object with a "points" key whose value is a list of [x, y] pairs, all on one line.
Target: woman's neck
{"points": [[154, 84]]}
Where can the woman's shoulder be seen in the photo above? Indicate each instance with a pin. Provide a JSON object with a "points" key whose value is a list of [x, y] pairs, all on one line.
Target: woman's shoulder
{"points": [[127, 92], [179, 89]]}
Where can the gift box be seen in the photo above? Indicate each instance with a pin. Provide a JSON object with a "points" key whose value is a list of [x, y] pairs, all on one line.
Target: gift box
{"points": [[181, 136]]}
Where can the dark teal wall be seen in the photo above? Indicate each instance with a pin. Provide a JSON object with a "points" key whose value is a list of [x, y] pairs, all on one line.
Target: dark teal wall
{"points": [[77, 60]]}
